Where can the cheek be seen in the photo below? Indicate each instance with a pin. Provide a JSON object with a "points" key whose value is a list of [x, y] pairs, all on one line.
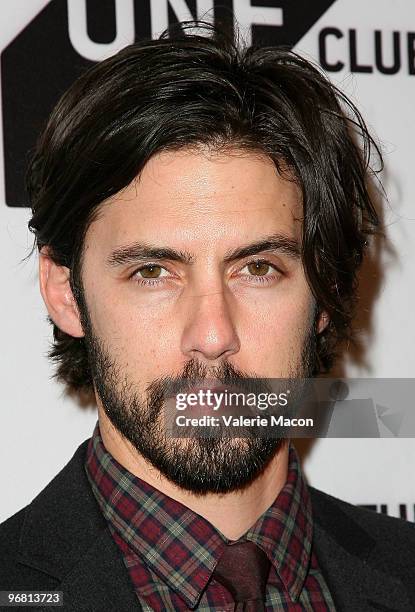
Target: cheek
{"points": [[278, 331], [138, 338]]}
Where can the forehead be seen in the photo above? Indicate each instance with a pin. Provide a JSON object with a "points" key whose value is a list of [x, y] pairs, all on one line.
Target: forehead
{"points": [[198, 196]]}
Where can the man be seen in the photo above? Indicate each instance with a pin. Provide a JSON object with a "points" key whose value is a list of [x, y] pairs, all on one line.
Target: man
{"points": [[201, 212]]}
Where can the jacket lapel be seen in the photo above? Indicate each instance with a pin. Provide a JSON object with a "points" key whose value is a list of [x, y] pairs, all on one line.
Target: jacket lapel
{"points": [[348, 558], [65, 536], [100, 580], [354, 584]]}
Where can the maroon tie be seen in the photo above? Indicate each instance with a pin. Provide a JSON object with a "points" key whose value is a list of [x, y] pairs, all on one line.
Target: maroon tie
{"points": [[243, 570]]}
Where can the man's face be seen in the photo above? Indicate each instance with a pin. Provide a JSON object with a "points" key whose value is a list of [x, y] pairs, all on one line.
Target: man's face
{"points": [[198, 305]]}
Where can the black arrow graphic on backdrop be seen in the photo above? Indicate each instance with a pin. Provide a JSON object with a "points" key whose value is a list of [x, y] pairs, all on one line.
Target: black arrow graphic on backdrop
{"points": [[40, 63]]}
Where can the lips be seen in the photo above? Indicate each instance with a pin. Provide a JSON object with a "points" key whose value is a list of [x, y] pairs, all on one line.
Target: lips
{"points": [[214, 388]]}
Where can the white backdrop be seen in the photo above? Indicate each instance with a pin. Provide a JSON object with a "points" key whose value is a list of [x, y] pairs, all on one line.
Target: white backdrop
{"points": [[40, 428]]}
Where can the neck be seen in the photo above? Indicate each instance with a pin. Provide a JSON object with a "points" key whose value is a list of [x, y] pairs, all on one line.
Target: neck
{"points": [[231, 513]]}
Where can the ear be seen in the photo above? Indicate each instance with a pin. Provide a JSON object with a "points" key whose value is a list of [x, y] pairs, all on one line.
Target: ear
{"points": [[57, 295], [323, 321]]}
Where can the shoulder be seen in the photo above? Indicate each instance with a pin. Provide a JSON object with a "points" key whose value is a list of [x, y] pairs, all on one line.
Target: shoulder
{"points": [[12, 575], [10, 529], [367, 558], [34, 540], [346, 521]]}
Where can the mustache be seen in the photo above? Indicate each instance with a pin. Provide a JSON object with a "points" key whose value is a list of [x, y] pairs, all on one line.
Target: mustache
{"points": [[196, 374]]}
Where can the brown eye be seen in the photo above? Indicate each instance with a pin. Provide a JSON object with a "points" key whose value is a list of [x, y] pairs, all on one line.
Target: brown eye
{"points": [[150, 271], [258, 268]]}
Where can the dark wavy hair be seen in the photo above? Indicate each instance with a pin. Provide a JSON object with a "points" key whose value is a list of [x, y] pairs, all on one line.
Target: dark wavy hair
{"points": [[205, 88]]}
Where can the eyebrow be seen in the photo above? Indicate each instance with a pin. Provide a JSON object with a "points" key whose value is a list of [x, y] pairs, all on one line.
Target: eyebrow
{"points": [[142, 251]]}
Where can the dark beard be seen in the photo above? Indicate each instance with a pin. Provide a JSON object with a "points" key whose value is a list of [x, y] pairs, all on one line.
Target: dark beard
{"points": [[197, 464]]}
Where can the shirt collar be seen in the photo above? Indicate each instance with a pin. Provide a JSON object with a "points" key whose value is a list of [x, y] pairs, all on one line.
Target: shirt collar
{"points": [[182, 547], [285, 530]]}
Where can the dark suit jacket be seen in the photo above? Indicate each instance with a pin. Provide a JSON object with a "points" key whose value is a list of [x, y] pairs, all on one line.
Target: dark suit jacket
{"points": [[61, 541]]}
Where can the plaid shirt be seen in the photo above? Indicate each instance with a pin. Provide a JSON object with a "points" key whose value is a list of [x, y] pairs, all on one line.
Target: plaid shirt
{"points": [[171, 552]]}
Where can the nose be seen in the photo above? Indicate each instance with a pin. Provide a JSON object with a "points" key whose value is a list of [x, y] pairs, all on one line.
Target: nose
{"points": [[209, 333]]}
